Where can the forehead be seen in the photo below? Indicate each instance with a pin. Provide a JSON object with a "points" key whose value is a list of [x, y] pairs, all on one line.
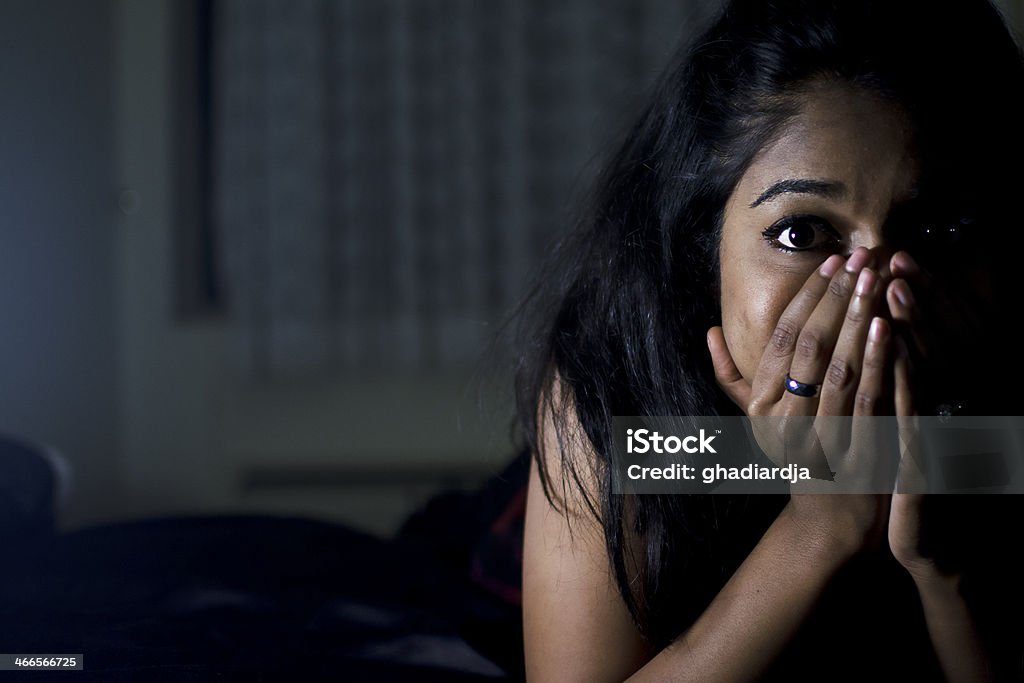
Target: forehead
{"points": [[844, 135]]}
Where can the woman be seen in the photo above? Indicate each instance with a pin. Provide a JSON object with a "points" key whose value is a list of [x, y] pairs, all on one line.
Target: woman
{"points": [[815, 215]]}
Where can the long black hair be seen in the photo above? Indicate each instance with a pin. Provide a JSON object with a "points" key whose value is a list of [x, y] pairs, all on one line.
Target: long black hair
{"points": [[620, 318]]}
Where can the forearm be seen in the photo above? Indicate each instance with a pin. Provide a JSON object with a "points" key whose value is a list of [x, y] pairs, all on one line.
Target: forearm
{"points": [[952, 629], [757, 612]]}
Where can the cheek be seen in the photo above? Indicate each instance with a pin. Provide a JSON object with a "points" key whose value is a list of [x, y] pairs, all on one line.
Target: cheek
{"points": [[753, 299]]}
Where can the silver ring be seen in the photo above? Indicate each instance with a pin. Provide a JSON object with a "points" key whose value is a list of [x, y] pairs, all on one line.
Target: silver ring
{"points": [[800, 389]]}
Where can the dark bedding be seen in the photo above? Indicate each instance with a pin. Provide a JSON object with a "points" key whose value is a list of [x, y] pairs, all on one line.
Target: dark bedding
{"points": [[265, 598]]}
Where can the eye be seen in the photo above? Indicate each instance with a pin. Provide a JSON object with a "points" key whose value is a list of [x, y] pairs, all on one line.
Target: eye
{"points": [[940, 239], [944, 234], [802, 233]]}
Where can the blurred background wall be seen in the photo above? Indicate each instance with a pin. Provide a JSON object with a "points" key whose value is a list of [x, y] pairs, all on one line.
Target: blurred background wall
{"points": [[60, 340], [254, 251]]}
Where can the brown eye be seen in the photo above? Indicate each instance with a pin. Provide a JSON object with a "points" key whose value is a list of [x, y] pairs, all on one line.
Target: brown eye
{"points": [[801, 233], [799, 236]]}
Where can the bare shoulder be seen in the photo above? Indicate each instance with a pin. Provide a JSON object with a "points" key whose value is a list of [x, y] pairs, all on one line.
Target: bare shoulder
{"points": [[569, 470], [576, 626]]}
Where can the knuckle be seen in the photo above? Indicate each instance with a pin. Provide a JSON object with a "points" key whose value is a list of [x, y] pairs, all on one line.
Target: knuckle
{"points": [[856, 315], [874, 362], [809, 345], [838, 373], [809, 296], [756, 407], [840, 287], [783, 336], [865, 402]]}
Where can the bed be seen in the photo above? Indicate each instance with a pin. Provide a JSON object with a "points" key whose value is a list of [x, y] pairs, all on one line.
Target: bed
{"points": [[261, 597]]}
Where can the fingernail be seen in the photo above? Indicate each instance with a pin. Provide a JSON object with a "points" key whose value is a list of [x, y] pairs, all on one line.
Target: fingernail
{"points": [[858, 259], [904, 263], [902, 292], [877, 331], [831, 265], [866, 282]]}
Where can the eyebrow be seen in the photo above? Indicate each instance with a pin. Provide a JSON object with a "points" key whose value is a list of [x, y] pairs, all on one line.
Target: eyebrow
{"points": [[829, 189]]}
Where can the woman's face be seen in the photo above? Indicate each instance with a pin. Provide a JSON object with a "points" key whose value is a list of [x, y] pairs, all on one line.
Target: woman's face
{"points": [[829, 183]]}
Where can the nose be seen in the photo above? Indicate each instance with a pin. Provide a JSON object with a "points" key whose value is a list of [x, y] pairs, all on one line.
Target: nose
{"points": [[880, 261], [881, 258], [880, 247]]}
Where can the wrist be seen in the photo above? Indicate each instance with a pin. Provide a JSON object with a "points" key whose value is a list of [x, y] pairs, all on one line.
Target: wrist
{"points": [[932, 583], [817, 542], [840, 531]]}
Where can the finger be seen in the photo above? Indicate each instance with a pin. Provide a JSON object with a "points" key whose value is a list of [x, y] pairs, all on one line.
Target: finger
{"points": [[908, 276], [817, 340], [916, 338], [904, 396], [905, 268], [911, 478], [868, 400], [778, 355], [728, 375], [844, 369], [954, 319], [874, 443], [842, 377], [903, 265], [906, 314]]}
